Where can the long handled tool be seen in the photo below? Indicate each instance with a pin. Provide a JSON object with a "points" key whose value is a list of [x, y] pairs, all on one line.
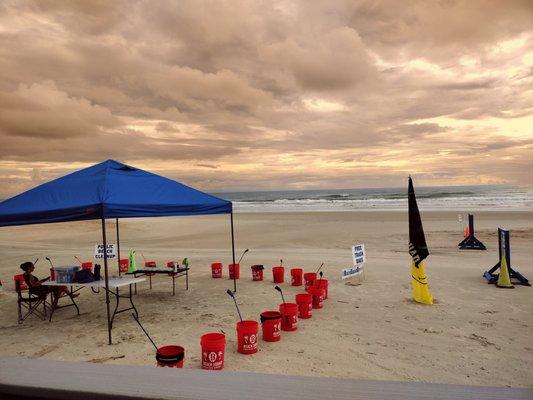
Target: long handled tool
{"points": [[78, 260], [144, 330], [36, 261], [243, 253], [319, 268], [50, 261], [232, 295], [281, 292]]}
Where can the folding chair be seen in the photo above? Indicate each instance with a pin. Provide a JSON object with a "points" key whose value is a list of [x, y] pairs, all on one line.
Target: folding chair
{"points": [[27, 305]]}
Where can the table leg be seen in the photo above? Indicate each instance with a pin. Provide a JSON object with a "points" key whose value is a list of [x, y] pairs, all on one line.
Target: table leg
{"points": [[173, 285], [73, 302], [133, 305], [187, 280], [117, 297], [53, 305]]}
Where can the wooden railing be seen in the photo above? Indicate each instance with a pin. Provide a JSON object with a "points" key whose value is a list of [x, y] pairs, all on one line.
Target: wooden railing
{"points": [[46, 379]]}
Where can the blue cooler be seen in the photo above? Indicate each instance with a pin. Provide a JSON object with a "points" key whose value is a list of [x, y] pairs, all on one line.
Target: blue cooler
{"points": [[66, 274]]}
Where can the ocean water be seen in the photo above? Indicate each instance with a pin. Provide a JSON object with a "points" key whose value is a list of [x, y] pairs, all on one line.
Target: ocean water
{"points": [[461, 198]]}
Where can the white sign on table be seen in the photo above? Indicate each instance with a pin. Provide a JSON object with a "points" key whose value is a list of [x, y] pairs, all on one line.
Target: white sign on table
{"points": [[99, 251], [359, 258]]}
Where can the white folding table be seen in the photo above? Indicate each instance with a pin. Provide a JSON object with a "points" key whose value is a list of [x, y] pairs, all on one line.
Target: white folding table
{"points": [[114, 284]]}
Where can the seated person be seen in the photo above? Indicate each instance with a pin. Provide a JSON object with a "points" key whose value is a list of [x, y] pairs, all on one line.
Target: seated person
{"points": [[36, 286]]}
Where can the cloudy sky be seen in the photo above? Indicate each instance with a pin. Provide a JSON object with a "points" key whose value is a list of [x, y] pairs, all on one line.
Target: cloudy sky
{"points": [[251, 95]]}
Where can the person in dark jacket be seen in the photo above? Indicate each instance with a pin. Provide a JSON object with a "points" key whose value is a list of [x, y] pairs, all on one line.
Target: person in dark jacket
{"points": [[35, 284]]}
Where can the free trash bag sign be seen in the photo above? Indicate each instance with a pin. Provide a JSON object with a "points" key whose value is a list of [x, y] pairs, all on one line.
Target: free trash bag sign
{"points": [[359, 258]]}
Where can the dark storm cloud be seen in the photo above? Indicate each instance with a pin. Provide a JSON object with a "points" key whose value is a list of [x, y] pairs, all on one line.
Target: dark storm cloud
{"points": [[343, 88]]}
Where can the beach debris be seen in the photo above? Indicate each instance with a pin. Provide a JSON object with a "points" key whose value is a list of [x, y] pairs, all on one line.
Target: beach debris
{"points": [[480, 339], [101, 360], [353, 283], [45, 350], [431, 330]]}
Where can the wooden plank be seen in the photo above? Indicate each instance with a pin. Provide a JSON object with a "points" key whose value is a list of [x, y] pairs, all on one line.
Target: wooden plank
{"points": [[65, 380]]}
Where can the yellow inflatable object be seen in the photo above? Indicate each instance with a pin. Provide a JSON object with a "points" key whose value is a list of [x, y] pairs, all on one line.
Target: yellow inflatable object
{"points": [[504, 280], [419, 283]]}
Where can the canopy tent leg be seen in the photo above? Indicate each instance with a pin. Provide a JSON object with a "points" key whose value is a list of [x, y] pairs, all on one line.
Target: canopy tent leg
{"points": [[106, 274], [233, 254], [118, 250]]}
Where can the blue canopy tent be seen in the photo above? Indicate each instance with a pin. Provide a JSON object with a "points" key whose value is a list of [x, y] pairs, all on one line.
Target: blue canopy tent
{"points": [[110, 190]]}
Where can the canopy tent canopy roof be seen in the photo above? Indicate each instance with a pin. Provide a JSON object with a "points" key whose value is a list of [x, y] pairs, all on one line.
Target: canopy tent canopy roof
{"points": [[108, 190]]}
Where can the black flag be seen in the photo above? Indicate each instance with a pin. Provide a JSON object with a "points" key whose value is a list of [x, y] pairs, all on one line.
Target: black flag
{"points": [[417, 241]]}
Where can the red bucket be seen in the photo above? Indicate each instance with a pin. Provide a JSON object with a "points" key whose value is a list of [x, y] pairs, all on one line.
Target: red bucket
{"points": [[87, 265], [305, 305], [296, 276], [150, 264], [289, 319], [234, 269], [123, 265], [170, 356], [318, 296], [213, 345], [323, 283], [309, 278], [278, 274], [257, 272], [247, 336], [271, 325], [216, 270]]}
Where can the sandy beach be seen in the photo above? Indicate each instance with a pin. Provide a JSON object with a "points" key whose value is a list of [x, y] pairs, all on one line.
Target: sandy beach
{"points": [[474, 334]]}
